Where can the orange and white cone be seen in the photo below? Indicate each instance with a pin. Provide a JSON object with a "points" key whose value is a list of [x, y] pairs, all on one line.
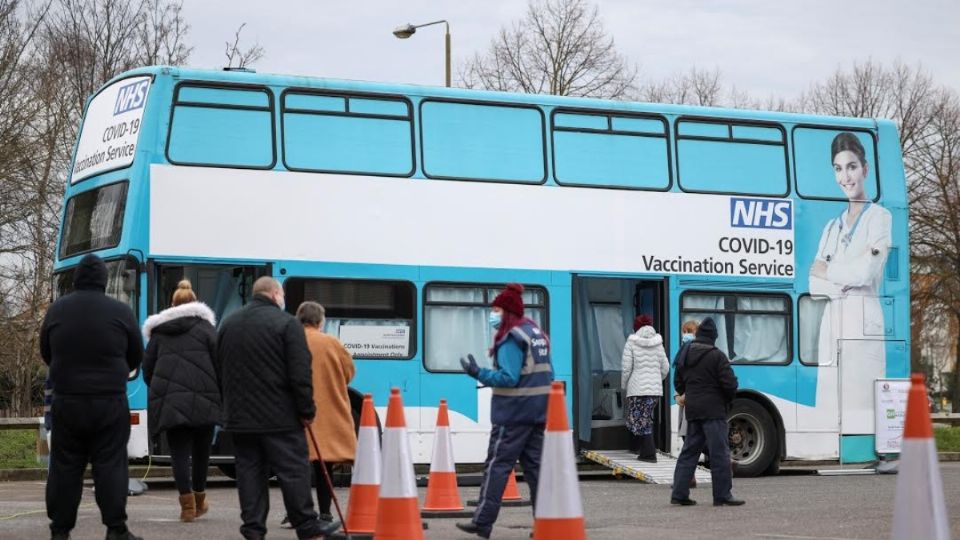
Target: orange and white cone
{"points": [[559, 511], [398, 517], [919, 509], [443, 499], [511, 492], [365, 480]]}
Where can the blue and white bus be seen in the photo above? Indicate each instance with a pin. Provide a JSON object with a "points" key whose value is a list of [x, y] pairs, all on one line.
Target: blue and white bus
{"points": [[404, 209]]}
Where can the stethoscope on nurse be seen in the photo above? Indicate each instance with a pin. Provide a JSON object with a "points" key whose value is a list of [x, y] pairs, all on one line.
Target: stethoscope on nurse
{"points": [[850, 168]]}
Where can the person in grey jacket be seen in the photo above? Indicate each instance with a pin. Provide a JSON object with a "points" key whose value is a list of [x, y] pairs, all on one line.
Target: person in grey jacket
{"points": [[645, 365]]}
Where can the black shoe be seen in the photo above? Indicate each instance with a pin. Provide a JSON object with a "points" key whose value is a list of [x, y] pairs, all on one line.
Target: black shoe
{"points": [[730, 502], [473, 528], [126, 535], [326, 516], [328, 527], [648, 459], [285, 523], [59, 536], [683, 502]]}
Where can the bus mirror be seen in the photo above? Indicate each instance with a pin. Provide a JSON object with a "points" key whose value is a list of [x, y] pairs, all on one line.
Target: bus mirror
{"points": [[129, 281]]}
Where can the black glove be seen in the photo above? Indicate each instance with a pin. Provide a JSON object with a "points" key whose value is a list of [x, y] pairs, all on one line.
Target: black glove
{"points": [[470, 366]]}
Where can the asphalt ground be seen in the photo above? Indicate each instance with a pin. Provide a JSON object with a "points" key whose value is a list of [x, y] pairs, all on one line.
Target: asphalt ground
{"points": [[790, 506]]}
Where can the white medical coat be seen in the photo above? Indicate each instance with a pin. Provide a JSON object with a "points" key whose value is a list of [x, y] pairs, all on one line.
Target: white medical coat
{"points": [[855, 258]]}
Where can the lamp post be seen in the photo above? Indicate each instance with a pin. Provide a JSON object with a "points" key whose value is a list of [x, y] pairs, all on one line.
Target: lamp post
{"points": [[407, 30]]}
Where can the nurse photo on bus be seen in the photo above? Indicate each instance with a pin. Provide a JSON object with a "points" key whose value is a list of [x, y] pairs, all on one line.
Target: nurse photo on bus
{"points": [[848, 266]]}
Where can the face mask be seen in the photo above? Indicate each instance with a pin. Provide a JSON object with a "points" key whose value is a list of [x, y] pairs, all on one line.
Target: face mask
{"points": [[494, 320], [687, 337]]}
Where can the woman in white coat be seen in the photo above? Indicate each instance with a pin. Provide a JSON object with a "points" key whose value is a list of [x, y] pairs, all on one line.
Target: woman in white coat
{"points": [[848, 268], [645, 365]]}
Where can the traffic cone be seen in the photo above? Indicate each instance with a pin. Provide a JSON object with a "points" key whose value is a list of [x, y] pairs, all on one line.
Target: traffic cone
{"points": [[397, 514], [919, 509], [559, 511], [365, 480], [443, 499], [511, 492]]}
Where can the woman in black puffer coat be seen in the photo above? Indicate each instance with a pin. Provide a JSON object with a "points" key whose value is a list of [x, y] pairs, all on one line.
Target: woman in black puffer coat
{"points": [[184, 397]]}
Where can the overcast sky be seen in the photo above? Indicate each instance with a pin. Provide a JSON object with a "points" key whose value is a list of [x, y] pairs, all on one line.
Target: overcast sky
{"points": [[763, 47]]}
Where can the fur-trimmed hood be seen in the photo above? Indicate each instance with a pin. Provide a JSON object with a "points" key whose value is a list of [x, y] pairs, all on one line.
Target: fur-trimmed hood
{"points": [[192, 309]]}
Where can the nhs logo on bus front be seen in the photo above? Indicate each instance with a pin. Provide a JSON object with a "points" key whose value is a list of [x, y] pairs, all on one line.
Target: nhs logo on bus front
{"points": [[761, 213], [131, 97]]}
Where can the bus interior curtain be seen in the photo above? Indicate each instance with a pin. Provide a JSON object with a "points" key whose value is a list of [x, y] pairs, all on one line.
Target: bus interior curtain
{"points": [[226, 298], [456, 331], [760, 338], [605, 318]]}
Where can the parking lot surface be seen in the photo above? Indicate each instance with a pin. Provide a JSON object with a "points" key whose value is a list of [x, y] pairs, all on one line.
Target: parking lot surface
{"points": [[786, 507]]}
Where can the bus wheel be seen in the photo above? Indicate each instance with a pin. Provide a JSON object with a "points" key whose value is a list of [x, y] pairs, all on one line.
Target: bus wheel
{"points": [[753, 438]]}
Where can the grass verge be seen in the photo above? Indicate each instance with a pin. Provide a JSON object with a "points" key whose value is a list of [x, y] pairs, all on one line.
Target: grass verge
{"points": [[18, 449], [948, 439]]}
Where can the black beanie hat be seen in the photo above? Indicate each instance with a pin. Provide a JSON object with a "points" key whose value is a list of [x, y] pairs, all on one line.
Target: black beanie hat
{"points": [[707, 330], [91, 274]]}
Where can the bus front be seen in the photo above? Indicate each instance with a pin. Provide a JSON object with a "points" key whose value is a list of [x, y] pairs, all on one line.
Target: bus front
{"points": [[102, 211]]}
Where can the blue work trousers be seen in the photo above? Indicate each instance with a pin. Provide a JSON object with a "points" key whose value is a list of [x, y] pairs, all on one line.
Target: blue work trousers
{"points": [[508, 444], [712, 435]]}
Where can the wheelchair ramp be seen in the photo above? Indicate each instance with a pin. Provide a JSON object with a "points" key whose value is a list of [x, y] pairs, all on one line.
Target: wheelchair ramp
{"points": [[624, 463]]}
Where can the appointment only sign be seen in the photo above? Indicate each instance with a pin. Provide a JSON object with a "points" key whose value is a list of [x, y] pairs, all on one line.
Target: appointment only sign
{"points": [[111, 128], [470, 224]]}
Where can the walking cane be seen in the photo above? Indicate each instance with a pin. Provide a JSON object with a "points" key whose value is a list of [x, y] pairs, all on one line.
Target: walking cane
{"points": [[326, 477]]}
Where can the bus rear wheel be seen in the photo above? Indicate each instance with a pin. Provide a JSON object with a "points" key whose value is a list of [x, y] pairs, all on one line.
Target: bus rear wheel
{"points": [[753, 438]]}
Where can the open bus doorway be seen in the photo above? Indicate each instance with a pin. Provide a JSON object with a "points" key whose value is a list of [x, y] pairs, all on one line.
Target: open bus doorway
{"points": [[603, 313]]}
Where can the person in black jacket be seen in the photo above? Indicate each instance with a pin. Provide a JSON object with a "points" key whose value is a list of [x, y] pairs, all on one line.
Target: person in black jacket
{"points": [[704, 376], [267, 397], [91, 343], [184, 391]]}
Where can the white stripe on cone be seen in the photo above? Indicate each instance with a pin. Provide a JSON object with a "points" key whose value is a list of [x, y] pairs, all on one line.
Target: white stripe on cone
{"points": [[398, 480], [919, 511], [442, 452], [558, 494], [366, 468]]}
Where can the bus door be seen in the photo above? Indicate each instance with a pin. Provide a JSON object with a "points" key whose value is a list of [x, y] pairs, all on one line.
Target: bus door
{"points": [[603, 313], [225, 288]]}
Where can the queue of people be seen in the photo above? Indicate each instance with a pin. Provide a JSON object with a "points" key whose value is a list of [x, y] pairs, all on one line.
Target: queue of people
{"points": [[262, 378]]}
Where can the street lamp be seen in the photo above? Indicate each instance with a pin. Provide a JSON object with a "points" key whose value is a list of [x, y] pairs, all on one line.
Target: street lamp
{"points": [[407, 30]]}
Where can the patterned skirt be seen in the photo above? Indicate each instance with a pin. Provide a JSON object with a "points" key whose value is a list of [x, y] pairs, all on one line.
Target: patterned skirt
{"points": [[639, 416]]}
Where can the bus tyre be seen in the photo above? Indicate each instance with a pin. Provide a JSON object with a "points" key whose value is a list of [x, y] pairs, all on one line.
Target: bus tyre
{"points": [[753, 438]]}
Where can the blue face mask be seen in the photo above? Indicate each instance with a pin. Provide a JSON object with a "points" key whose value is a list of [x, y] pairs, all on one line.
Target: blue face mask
{"points": [[686, 337], [494, 320]]}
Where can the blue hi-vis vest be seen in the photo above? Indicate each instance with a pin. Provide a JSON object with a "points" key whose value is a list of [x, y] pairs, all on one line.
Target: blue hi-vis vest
{"points": [[525, 403]]}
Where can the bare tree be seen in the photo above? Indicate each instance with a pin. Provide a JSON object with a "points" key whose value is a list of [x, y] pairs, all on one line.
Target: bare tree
{"points": [[53, 56], [696, 87], [242, 58], [559, 47]]}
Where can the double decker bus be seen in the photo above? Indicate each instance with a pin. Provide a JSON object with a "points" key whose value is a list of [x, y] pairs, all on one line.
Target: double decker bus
{"points": [[404, 209]]}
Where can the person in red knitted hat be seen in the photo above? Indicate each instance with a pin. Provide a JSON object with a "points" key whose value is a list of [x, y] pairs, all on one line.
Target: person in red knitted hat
{"points": [[520, 378]]}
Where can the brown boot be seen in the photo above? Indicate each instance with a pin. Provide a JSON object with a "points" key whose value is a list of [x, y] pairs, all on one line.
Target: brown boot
{"points": [[188, 508], [201, 502]]}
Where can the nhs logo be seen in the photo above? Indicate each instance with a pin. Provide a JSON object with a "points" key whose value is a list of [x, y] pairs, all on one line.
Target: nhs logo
{"points": [[761, 213], [130, 97]]}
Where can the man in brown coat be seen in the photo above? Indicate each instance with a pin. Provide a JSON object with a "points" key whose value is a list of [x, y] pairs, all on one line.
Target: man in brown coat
{"points": [[333, 369]]}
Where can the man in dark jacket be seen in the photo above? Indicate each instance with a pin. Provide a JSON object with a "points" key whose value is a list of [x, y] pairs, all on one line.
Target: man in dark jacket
{"points": [[91, 343], [704, 376], [267, 395]]}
